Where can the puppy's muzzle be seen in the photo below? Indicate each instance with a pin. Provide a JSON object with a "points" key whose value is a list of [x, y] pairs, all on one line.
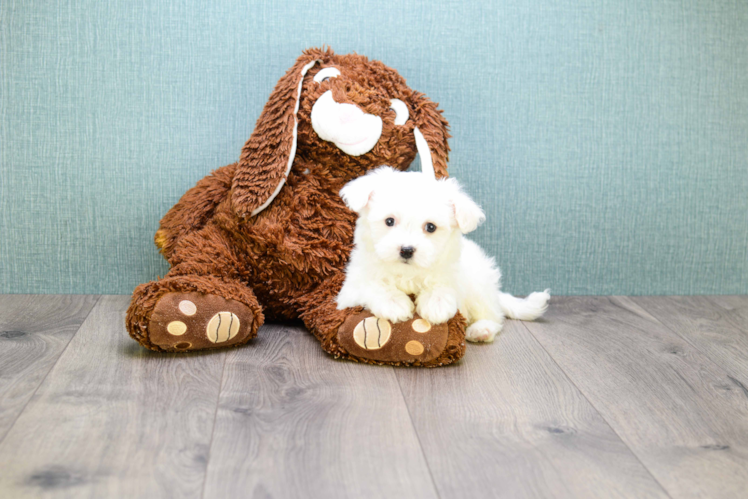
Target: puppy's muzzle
{"points": [[407, 252]]}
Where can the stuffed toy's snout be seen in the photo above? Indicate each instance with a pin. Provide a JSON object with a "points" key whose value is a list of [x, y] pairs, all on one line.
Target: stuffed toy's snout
{"points": [[345, 125]]}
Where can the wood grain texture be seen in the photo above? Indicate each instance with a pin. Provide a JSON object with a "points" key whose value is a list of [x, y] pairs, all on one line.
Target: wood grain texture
{"points": [[507, 422], [114, 420], [605, 397], [34, 330], [683, 416], [717, 326], [735, 303], [737, 310], [293, 422]]}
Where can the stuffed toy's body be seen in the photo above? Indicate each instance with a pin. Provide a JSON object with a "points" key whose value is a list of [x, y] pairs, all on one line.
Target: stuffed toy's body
{"points": [[269, 236]]}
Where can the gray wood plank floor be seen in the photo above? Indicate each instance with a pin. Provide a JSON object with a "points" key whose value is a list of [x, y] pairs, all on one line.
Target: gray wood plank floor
{"points": [[294, 423], [680, 412], [34, 330], [605, 397]]}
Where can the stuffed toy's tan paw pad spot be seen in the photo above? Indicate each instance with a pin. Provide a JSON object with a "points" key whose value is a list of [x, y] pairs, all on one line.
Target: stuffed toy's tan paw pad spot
{"points": [[372, 333], [414, 348], [187, 307], [176, 328], [414, 341], [191, 321], [223, 326], [421, 326]]}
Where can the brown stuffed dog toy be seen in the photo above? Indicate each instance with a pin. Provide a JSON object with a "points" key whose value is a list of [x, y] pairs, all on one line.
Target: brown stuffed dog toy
{"points": [[269, 237]]}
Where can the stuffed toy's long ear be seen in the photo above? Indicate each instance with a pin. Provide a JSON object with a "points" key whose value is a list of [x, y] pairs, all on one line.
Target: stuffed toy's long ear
{"points": [[267, 156], [431, 133]]}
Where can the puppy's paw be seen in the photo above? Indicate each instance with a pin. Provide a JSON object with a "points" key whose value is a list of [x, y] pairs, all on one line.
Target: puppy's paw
{"points": [[395, 309], [437, 306], [484, 330]]}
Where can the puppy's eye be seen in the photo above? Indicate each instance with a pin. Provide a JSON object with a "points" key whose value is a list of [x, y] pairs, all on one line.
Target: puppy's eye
{"points": [[389, 221], [401, 111], [325, 74], [429, 227]]}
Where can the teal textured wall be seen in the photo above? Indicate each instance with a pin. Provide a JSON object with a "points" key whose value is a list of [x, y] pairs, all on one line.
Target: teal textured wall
{"points": [[606, 139]]}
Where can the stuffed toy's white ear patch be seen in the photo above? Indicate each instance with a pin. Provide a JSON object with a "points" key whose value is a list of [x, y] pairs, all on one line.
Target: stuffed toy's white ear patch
{"points": [[326, 73], [345, 125], [427, 163], [401, 111]]}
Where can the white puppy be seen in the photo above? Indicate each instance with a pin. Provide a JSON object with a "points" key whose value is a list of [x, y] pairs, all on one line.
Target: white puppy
{"points": [[409, 240]]}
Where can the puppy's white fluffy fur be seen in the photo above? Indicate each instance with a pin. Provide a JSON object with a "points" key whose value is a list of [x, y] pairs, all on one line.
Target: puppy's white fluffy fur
{"points": [[446, 271]]}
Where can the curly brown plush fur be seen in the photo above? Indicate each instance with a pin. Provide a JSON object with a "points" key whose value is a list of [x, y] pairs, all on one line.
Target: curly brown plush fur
{"points": [[287, 260]]}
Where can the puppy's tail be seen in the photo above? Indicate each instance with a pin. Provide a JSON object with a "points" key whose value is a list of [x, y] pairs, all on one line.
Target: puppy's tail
{"points": [[531, 307]]}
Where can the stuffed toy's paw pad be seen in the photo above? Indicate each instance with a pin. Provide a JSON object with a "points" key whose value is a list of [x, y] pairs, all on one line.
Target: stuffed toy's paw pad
{"points": [[416, 340], [192, 321]]}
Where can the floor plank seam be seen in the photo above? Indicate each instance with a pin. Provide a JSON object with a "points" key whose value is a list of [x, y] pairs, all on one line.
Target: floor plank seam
{"points": [[418, 437], [602, 417], [213, 428], [62, 352], [718, 366], [742, 329]]}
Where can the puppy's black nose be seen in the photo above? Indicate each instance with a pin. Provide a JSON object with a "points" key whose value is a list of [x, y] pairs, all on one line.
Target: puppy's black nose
{"points": [[407, 252]]}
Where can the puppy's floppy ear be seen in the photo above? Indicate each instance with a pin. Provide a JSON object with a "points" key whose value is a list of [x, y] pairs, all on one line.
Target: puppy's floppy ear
{"points": [[357, 193], [468, 214], [431, 133], [267, 156]]}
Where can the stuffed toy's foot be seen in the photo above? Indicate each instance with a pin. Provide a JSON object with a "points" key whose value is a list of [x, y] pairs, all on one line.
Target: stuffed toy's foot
{"points": [[414, 342], [191, 321], [188, 313]]}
